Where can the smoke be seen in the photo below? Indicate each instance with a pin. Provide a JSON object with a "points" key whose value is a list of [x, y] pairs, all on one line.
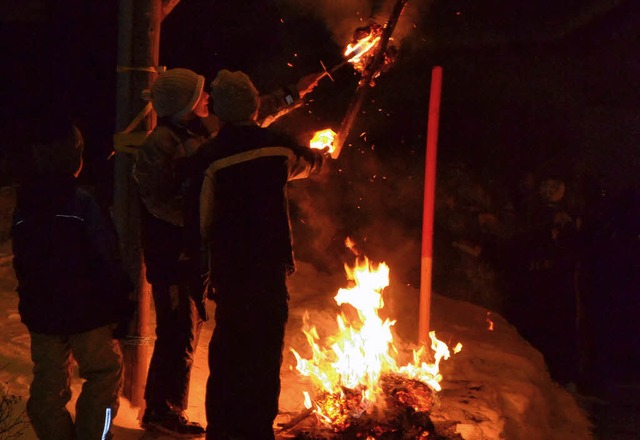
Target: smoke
{"points": [[374, 201], [317, 222], [343, 17], [373, 192]]}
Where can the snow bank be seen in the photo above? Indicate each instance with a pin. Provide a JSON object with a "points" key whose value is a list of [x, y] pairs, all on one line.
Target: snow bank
{"points": [[497, 387]]}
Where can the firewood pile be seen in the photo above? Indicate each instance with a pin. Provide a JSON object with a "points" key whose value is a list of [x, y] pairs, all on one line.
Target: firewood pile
{"points": [[402, 414]]}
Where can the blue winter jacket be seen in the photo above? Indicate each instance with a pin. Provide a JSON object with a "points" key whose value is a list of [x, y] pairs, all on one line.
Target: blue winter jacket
{"points": [[70, 278]]}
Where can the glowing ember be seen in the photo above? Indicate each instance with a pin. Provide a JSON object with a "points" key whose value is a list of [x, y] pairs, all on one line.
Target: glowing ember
{"points": [[354, 373], [489, 321], [322, 139]]}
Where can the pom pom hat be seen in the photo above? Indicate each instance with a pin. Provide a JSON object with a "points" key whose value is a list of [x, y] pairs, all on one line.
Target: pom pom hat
{"points": [[175, 92], [235, 98]]}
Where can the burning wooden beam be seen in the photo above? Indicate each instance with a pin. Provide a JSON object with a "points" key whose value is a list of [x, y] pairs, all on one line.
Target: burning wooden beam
{"points": [[368, 74]]}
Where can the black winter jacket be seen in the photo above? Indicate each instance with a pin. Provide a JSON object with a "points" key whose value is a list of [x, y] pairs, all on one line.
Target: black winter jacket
{"points": [[70, 278], [244, 215]]}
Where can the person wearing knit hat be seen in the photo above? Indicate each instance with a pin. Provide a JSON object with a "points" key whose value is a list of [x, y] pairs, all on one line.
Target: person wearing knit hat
{"points": [[235, 98], [245, 227], [176, 93], [171, 252], [168, 174]]}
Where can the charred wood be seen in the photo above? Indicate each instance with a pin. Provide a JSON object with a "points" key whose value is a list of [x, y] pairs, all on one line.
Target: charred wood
{"points": [[402, 414]]}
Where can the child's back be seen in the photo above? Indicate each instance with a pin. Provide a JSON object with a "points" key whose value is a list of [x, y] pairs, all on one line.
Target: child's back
{"points": [[65, 258], [72, 290]]}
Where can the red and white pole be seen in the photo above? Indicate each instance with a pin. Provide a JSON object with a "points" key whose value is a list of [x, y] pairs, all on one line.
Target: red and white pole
{"points": [[428, 206]]}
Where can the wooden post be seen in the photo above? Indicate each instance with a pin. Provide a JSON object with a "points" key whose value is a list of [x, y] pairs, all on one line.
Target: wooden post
{"points": [[138, 53], [429, 205]]}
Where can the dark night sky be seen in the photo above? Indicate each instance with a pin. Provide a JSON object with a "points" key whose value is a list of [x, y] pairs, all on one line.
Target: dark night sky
{"points": [[512, 76], [528, 86]]}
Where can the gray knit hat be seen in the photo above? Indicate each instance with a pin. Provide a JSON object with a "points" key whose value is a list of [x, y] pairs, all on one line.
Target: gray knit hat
{"points": [[175, 92], [235, 98]]}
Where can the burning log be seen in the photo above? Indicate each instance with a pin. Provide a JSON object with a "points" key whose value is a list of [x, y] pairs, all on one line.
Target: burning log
{"points": [[360, 52], [372, 70], [362, 57], [402, 392], [404, 414]]}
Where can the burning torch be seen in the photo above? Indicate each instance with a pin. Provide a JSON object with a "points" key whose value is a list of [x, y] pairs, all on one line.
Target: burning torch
{"points": [[368, 53]]}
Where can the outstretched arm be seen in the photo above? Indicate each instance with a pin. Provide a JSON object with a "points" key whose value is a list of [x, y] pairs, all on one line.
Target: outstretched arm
{"points": [[307, 162], [281, 101]]}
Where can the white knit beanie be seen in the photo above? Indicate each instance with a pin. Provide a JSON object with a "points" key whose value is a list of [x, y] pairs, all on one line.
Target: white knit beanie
{"points": [[234, 96], [175, 92]]}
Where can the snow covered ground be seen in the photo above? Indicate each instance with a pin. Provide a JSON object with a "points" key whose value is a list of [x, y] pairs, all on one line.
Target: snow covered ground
{"points": [[497, 387]]}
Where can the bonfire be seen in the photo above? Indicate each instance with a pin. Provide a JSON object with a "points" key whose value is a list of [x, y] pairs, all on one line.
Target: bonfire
{"points": [[358, 389]]}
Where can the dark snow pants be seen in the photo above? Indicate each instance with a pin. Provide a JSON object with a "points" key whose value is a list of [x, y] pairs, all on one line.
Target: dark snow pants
{"points": [[178, 326], [173, 271], [99, 363], [245, 355]]}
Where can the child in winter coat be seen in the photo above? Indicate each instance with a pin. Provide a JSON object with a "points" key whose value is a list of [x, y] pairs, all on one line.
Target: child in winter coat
{"points": [[72, 290], [245, 226], [168, 172], [171, 247]]}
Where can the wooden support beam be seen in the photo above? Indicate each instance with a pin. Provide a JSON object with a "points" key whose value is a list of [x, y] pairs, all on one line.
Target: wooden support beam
{"points": [[138, 48]]}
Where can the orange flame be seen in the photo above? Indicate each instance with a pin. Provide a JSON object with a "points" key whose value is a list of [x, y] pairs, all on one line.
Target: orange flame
{"points": [[490, 322], [361, 47], [360, 51], [322, 139], [355, 359]]}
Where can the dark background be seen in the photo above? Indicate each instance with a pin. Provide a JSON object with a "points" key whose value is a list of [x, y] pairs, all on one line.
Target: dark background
{"points": [[523, 82], [532, 90]]}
